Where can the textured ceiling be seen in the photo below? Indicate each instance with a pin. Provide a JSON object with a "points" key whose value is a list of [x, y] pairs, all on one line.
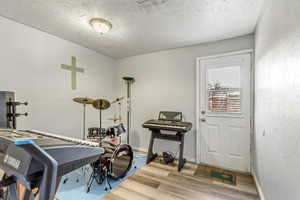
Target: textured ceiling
{"points": [[139, 26]]}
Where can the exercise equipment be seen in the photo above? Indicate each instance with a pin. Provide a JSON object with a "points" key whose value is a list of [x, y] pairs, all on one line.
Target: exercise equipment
{"points": [[37, 159]]}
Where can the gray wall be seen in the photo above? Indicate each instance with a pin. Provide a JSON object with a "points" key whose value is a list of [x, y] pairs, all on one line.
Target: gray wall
{"points": [[31, 66], [277, 112], [166, 80]]}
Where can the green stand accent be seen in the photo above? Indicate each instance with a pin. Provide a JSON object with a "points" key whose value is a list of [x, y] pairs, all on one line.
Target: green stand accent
{"points": [[73, 70], [129, 79]]}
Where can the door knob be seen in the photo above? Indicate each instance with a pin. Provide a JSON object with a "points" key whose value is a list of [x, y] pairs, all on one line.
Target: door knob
{"points": [[203, 120]]}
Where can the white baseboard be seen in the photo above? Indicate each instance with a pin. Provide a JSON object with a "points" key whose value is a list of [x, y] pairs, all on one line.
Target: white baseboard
{"points": [[258, 186], [140, 149]]}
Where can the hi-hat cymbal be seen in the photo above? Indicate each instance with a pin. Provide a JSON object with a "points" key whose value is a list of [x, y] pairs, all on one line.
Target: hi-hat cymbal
{"points": [[101, 104], [114, 118], [117, 100], [83, 100]]}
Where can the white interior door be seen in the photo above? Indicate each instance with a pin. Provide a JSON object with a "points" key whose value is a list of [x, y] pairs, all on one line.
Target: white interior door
{"points": [[224, 115]]}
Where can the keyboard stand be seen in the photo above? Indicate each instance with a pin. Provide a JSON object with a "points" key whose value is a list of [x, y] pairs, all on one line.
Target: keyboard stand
{"points": [[156, 134]]}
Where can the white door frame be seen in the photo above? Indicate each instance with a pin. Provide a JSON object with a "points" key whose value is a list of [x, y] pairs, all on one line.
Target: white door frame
{"points": [[198, 103]]}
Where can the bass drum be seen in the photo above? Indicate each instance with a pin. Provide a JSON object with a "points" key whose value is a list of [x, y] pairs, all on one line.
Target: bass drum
{"points": [[117, 158]]}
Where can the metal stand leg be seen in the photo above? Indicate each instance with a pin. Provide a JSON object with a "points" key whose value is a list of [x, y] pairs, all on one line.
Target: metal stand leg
{"points": [[181, 159], [151, 156], [84, 108], [97, 175], [100, 125], [28, 195], [12, 189], [107, 183], [128, 112], [82, 173], [100, 119], [90, 181]]}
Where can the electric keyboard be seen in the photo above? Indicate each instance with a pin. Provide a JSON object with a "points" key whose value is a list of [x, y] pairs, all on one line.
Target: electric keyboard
{"points": [[37, 159], [168, 125]]}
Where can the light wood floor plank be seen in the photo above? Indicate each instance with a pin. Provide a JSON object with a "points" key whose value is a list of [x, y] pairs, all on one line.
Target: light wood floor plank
{"points": [[145, 181], [148, 191], [155, 170], [112, 196], [157, 181], [130, 194], [188, 169]]}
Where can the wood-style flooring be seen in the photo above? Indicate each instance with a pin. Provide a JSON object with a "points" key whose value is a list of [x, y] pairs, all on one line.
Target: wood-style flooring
{"points": [[157, 181]]}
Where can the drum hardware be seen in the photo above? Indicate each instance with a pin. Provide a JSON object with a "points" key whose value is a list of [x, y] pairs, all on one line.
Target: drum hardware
{"points": [[101, 104], [114, 119], [96, 175], [117, 100], [99, 174], [128, 81], [115, 131], [84, 101], [168, 157], [118, 158], [95, 133]]}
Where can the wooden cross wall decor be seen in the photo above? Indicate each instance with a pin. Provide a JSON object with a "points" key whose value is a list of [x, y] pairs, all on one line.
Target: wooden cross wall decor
{"points": [[74, 69]]}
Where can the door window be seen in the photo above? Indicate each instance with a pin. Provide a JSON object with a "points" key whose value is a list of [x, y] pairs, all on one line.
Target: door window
{"points": [[224, 90]]}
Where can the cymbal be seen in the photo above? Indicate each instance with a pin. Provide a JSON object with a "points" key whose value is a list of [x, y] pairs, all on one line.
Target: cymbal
{"points": [[101, 104], [114, 118], [117, 100], [83, 100]]}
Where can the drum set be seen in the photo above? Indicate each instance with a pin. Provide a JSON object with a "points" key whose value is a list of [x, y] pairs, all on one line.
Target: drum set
{"points": [[118, 158]]}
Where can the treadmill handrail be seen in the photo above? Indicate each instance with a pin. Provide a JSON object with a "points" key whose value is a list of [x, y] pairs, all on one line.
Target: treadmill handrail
{"points": [[47, 188]]}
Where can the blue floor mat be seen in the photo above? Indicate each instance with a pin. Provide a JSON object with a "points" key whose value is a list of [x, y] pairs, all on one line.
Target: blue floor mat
{"points": [[75, 186]]}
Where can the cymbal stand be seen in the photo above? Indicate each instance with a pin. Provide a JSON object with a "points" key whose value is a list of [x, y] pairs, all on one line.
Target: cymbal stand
{"points": [[97, 175], [120, 107], [120, 118], [84, 169], [84, 111], [107, 183], [100, 126]]}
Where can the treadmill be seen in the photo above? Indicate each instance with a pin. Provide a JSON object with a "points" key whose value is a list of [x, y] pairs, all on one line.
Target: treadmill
{"points": [[37, 161]]}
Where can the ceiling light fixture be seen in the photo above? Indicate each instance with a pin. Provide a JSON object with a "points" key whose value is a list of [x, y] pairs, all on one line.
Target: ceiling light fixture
{"points": [[100, 25]]}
